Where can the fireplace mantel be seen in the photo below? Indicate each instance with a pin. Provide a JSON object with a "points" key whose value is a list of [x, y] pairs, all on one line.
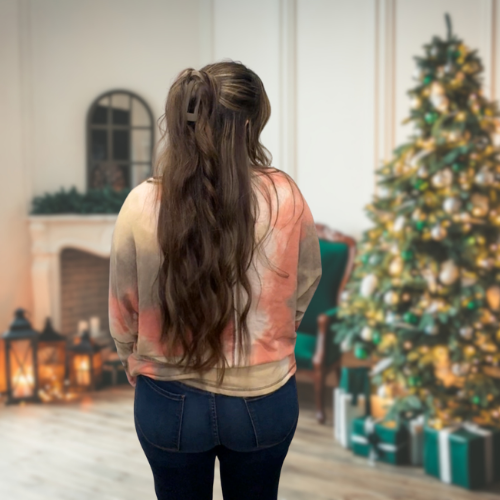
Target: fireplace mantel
{"points": [[49, 235]]}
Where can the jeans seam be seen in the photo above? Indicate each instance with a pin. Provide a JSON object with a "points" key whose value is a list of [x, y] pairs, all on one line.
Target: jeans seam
{"points": [[215, 423], [166, 394], [180, 425], [253, 425]]}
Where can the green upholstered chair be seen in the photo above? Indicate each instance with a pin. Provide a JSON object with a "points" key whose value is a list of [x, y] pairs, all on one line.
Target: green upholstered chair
{"points": [[315, 352]]}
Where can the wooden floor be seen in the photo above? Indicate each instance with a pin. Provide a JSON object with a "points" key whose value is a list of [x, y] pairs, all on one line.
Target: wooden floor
{"points": [[88, 450]]}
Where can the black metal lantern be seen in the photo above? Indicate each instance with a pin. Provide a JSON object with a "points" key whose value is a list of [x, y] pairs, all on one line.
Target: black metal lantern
{"points": [[21, 361], [51, 356], [85, 364]]}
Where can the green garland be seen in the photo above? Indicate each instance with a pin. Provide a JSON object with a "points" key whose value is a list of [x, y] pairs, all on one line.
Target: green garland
{"points": [[95, 201]]}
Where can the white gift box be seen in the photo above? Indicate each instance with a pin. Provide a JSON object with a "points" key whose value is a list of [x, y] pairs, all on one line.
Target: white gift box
{"points": [[344, 413]]}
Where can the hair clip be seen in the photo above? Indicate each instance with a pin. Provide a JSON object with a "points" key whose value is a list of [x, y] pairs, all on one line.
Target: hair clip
{"points": [[191, 117]]}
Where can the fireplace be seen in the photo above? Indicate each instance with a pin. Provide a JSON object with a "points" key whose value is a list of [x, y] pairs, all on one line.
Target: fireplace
{"points": [[70, 269]]}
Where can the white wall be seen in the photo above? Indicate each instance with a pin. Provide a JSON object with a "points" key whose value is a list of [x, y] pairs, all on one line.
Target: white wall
{"points": [[335, 115], [336, 72]]}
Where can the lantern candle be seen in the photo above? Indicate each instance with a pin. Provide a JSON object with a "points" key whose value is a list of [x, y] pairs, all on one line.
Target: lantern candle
{"points": [[82, 370], [23, 383]]}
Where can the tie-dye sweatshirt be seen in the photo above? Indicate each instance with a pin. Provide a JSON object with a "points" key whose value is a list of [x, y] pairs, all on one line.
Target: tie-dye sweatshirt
{"points": [[279, 298]]}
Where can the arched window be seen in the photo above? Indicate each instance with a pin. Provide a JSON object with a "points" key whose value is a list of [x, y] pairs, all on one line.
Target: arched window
{"points": [[119, 141]]}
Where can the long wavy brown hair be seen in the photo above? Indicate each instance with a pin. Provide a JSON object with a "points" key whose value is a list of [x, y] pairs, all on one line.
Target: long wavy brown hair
{"points": [[208, 208]]}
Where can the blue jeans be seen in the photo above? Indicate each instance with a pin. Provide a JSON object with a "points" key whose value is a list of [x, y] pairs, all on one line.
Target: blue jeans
{"points": [[182, 429]]}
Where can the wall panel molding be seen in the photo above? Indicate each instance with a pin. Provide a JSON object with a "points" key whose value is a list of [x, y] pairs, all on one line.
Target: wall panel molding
{"points": [[488, 10], [385, 81], [27, 98], [206, 26], [287, 84]]}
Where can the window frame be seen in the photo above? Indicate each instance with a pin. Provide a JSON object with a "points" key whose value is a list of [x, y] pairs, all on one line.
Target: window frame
{"points": [[110, 127]]}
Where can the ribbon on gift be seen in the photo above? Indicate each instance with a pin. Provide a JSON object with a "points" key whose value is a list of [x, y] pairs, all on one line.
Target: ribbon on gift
{"points": [[445, 454], [344, 413], [377, 448], [356, 381], [416, 427]]}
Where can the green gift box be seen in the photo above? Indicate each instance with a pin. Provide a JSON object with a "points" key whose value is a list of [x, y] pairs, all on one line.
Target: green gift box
{"points": [[378, 440], [466, 455]]}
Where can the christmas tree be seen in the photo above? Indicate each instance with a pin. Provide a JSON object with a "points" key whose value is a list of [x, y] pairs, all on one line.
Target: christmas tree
{"points": [[425, 292]]}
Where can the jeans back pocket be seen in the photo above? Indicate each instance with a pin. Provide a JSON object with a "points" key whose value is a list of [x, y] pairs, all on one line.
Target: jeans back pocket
{"points": [[158, 414], [274, 415]]}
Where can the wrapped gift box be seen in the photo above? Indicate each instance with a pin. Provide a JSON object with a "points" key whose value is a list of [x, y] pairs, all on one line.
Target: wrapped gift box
{"points": [[416, 432], [378, 440], [350, 400], [465, 455]]}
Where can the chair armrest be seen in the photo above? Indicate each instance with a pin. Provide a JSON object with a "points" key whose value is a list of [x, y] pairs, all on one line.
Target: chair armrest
{"points": [[332, 312]]}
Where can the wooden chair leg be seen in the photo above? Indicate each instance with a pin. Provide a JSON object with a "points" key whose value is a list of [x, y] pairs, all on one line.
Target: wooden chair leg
{"points": [[319, 392]]}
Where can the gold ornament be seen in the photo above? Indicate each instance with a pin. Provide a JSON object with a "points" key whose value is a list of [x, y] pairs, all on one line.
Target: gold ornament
{"points": [[438, 97], [469, 351], [430, 278], [396, 266], [484, 262], [481, 205], [415, 103]]}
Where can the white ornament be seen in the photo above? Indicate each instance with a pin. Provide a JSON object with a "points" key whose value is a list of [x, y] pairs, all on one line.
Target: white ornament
{"points": [[449, 272], [484, 177], [423, 172], [390, 317], [452, 205], [466, 332], [345, 346], [383, 192], [366, 333], [431, 330], [416, 158], [460, 369], [391, 298], [466, 281], [438, 233], [443, 178], [383, 391], [368, 285], [399, 224]]}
